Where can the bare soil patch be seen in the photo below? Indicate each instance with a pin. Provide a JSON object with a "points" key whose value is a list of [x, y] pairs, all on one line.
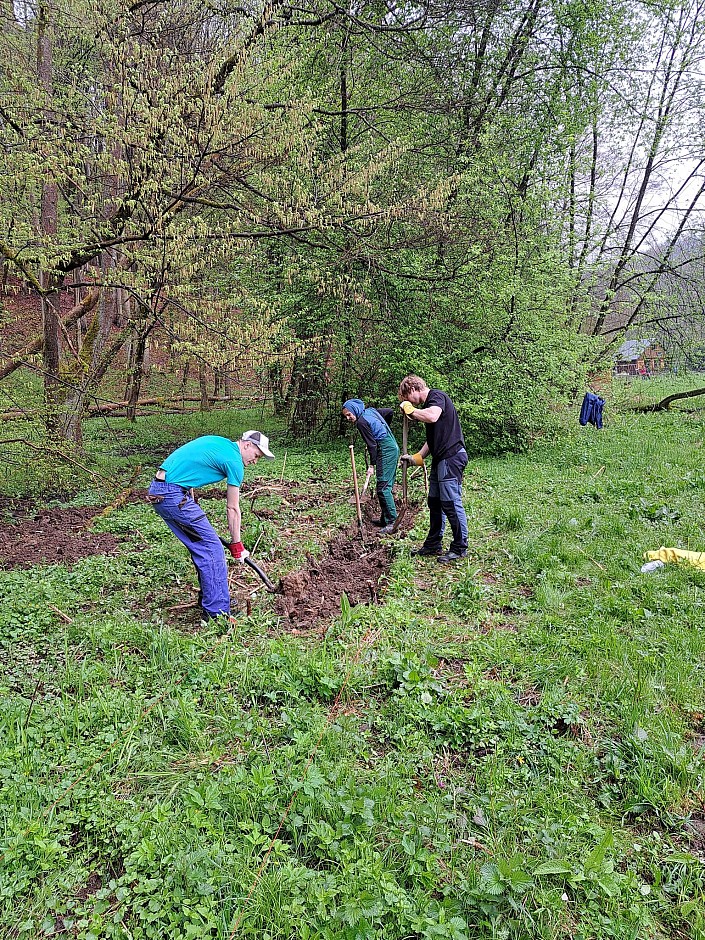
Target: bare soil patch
{"points": [[350, 565], [695, 827], [57, 536]]}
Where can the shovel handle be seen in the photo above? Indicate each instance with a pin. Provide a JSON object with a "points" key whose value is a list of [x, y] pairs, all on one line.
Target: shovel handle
{"points": [[405, 464], [260, 573], [255, 567], [357, 491]]}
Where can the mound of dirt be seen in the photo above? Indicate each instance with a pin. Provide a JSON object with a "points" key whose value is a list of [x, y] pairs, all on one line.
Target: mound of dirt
{"points": [[57, 536], [350, 565]]}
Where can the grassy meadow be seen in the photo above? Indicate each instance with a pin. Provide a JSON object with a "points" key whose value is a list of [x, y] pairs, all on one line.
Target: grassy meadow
{"points": [[511, 748]]}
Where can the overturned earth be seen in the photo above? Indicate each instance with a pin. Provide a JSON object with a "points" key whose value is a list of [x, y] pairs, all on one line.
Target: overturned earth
{"points": [[353, 563], [39, 535]]}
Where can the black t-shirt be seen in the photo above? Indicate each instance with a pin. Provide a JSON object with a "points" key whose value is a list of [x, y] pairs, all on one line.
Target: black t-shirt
{"points": [[445, 437]]}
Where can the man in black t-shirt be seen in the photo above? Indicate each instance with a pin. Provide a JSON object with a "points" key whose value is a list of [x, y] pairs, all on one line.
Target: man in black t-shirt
{"points": [[445, 444]]}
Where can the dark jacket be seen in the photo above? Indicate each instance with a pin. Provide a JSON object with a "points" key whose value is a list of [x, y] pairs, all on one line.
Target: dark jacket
{"points": [[591, 410]]}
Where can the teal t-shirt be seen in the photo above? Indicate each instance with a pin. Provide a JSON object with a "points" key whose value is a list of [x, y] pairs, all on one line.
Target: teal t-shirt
{"points": [[203, 461]]}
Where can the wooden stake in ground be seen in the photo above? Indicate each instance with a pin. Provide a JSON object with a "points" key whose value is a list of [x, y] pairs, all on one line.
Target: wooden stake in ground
{"points": [[357, 490]]}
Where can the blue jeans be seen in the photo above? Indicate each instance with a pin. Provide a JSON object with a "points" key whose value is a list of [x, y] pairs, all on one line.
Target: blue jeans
{"points": [[445, 499], [188, 522]]}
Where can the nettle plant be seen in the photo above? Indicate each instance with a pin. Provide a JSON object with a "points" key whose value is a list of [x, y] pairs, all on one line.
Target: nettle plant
{"points": [[414, 676]]}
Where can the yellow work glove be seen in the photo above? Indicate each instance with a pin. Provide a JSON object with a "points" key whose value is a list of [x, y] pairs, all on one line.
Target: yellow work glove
{"points": [[413, 458], [407, 408]]}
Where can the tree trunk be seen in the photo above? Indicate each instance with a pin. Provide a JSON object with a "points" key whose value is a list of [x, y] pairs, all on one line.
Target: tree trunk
{"points": [[184, 377], [275, 380], [229, 381], [48, 224], [36, 345], [307, 394], [138, 371], [665, 403], [203, 383], [77, 405]]}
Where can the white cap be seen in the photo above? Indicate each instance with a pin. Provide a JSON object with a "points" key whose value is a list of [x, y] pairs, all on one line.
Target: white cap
{"points": [[261, 441]]}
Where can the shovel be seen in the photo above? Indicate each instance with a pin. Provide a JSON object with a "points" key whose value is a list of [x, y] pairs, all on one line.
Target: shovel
{"points": [[357, 491], [192, 533], [404, 472], [368, 477]]}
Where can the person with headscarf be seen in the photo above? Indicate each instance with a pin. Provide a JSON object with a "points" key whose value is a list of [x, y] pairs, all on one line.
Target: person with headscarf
{"points": [[384, 456]]}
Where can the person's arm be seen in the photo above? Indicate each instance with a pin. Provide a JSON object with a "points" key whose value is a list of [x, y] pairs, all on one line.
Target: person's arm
{"points": [[237, 549], [367, 436], [417, 458], [234, 514], [426, 415]]}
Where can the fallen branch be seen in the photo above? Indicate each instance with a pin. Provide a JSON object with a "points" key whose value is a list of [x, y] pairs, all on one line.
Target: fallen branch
{"points": [[109, 407], [114, 407], [64, 617], [665, 403]]}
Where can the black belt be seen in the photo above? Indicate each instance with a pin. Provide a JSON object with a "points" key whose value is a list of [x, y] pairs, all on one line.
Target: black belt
{"points": [[187, 490]]}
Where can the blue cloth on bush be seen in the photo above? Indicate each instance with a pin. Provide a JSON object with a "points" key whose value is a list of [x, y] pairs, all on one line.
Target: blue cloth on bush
{"points": [[591, 410]]}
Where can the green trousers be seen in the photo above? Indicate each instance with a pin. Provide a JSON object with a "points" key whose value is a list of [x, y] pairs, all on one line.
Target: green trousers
{"points": [[386, 469]]}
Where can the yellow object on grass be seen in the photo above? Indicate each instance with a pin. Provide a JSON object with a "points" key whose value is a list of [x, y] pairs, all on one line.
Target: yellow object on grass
{"points": [[677, 554]]}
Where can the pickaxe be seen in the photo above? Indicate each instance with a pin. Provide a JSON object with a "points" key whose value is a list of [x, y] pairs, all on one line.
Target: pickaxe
{"points": [[250, 562]]}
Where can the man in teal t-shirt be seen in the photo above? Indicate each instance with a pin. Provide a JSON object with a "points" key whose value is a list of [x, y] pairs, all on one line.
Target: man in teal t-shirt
{"points": [[201, 462]]}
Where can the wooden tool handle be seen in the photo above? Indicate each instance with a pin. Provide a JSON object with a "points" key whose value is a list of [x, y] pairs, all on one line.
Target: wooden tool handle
{"points": [[405, 463], [357, 491]]}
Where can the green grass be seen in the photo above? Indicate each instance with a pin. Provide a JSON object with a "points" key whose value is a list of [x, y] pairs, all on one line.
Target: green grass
{"points": [[635, 391], [514, 756]]}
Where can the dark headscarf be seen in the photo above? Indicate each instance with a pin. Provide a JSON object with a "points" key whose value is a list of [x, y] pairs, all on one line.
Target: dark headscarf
{"points": [[378, 426]]}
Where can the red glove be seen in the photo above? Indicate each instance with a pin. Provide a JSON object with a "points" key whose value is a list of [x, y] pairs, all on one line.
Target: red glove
{"points": [[238, 551]]}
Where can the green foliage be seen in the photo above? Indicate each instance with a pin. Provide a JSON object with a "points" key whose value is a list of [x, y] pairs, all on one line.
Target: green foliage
{"points": [[516, 752]]}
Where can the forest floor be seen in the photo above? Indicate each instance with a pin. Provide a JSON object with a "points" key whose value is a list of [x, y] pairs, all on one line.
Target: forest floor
{"points": [[510, 747]]}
